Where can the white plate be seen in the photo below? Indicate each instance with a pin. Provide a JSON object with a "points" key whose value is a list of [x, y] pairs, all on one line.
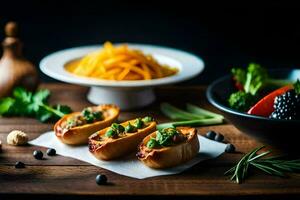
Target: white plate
{"points": [[126, 94]]}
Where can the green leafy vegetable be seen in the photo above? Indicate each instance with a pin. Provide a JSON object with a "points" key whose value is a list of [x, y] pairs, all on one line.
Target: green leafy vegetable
{"points": [[271, 165], [239, 75], [26, 103], [255, 78], [252, 81], [241, 100]]}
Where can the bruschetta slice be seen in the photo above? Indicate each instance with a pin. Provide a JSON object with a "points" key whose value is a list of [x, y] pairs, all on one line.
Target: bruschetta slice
{"points": [[120, 139], [75, 128], [169, 147]]}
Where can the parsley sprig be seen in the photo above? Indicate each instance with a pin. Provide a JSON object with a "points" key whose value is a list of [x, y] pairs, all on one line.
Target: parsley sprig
{"points": [[26, 103], [273, 165]]}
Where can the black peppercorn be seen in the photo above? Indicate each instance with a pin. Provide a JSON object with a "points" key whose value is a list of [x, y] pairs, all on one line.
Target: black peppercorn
{"points": [[51, 152], [19, 165], [219, 137], [101, 179], [211, 135], [37, 154]]}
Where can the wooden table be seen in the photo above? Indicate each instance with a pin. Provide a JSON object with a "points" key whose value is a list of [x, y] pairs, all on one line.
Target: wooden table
{"points": [[61, 177]]}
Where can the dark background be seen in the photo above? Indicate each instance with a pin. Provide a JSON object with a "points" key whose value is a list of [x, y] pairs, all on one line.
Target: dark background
{"points": [[224, 34]]}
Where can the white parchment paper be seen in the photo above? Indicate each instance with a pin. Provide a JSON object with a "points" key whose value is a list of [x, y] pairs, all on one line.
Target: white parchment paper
{"points": [[130, 165]]}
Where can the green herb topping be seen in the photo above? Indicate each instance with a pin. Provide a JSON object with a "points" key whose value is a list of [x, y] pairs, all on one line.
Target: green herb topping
{"points": [[130, 128], [115, 130], [26, 103], [138, 123], [165, 137], [147, 119], [91, 116]]}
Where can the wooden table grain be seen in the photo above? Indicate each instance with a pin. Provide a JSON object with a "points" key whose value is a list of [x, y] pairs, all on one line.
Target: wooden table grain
{"points": [[62, 177]]}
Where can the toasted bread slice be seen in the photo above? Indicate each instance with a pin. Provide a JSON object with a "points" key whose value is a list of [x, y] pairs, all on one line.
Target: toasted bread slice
{"points": [[79, 134], [170, 156], [107, 148]]}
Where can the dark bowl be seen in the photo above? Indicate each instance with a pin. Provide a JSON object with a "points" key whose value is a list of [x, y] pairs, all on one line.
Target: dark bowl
{"points": [[282, 134]]}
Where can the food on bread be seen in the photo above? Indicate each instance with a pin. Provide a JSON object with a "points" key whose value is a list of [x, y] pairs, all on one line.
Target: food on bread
{"points": [[169, 147], [75, 128], [120, 139], [17, 138], [119, 63]]}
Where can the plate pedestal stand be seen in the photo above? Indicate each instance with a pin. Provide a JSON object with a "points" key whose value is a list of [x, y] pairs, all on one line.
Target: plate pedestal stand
{"points": [[125, 98]]}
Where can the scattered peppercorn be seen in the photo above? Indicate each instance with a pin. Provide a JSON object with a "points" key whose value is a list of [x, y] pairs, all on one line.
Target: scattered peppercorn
{"points": [[101, 179], [219, 137], [37, 154], [19, 165], [211, 135], [230, 148], [51, 152]]}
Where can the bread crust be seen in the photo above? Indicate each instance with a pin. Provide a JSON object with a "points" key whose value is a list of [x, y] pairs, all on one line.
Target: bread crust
{"points": [[79, 135], [110, 148], [171, 156]]}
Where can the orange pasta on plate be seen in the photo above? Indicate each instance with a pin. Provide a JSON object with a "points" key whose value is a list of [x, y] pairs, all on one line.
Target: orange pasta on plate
{"points": [[119, 63]]}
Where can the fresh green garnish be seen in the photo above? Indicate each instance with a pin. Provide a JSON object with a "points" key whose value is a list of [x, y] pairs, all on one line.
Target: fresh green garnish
{"points": [[118, 127], [297, 86], [138, 123], [114, 130], [147, 119], [91, 116], [130, 128], [71, 123], [164, 137], [152, 143], [272, 165], [241, 100], [26, 103], [111, 132]]}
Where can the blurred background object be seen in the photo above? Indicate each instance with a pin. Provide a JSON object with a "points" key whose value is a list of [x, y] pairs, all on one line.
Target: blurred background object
{"points": [[224, 34], [15, 69]]}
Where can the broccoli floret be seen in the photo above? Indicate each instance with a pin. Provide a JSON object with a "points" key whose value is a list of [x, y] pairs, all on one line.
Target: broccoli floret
{"points": [[239, 75], [256, 78], [241, 101]]}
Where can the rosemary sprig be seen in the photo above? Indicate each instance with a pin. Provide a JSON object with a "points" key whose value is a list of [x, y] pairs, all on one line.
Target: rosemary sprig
{"points": [[273, 165]]}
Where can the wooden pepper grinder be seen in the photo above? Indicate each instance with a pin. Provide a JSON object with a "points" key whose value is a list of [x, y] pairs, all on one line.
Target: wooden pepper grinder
{"points": [[15, 70]]}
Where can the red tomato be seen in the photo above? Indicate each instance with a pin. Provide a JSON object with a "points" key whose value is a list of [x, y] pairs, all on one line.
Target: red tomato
{"points": [[266, 105]]}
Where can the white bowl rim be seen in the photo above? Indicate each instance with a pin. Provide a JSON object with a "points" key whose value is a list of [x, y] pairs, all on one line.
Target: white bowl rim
{"points": [[53, 66]]}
